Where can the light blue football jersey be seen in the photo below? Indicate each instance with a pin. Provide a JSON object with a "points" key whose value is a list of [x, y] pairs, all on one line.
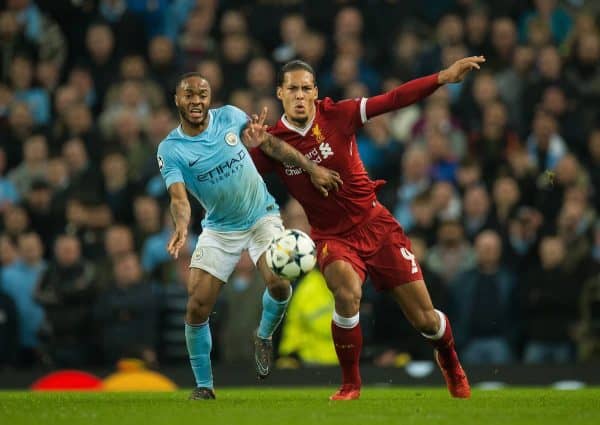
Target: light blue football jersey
{"points": [[218, 171]]}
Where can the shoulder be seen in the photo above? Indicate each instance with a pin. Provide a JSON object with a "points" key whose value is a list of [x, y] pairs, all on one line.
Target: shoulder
{"points": [[229, 113], [278, 128], [329, 106], [167, 145]]}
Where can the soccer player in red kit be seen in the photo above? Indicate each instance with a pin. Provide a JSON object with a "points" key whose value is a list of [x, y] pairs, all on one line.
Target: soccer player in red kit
{"points": [[355, 235]]}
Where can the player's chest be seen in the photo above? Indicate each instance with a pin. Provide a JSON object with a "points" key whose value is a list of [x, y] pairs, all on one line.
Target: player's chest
{"points": [[322, 145], [215, 160]]}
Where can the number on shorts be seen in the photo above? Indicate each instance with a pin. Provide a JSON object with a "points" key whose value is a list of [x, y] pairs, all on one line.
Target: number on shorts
{"points": [[410, 257]]}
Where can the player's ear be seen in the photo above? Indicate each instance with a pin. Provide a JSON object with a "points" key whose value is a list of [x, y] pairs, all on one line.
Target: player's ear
{"points": [[279, 93], [316, 92], [175, 99]]}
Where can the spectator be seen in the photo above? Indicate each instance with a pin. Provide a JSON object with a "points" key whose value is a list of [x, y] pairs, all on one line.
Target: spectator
{"points": [[9, 331], [100, 45], [583, 74], [593, 164], [196, 42], [476, 211], [118, 242], [20, 128], [127, 314], [8, 192], [38, 204], [67, 293], [452, 254], [483, 306], [19, 281], [35, 159], [118, 189], [414, 181], [549, 13], [40, 30], [292, 29], [545, 145], [495, 143], [16, 221], [21, 75], [549, 306], [163, 67], [506, 196], [377, 148], [83, 176]]}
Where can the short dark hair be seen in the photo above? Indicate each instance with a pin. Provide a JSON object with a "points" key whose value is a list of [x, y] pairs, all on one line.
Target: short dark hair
{"points": [[186, 76], [294, 66]]}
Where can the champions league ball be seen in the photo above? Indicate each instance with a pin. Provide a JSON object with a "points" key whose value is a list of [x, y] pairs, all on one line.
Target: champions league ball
{"points": [[291, 254]]}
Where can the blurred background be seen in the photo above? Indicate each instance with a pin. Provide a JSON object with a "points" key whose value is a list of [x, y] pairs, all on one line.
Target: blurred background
{"points": [[495, 179]]}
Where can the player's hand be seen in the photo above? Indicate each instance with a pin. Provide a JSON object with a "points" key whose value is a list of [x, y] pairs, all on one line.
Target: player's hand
{"points": [[456, 72], [255, 133], [325, 180], [176, 243]]}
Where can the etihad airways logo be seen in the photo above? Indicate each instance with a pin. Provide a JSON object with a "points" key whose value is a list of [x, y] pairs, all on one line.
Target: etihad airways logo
{"points": [[224, 170]]}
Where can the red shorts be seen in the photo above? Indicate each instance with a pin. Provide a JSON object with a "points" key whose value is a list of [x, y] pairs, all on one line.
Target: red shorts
{"points": [[378, 248]]}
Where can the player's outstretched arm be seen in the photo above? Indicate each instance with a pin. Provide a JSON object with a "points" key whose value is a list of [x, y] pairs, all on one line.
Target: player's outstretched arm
{"points": [[419, 88], [456, 72], [256, 134], [180, 211]]}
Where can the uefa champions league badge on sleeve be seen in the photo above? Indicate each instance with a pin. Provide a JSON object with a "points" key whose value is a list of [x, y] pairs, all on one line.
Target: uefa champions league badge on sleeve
{"points": [[231, 139]]}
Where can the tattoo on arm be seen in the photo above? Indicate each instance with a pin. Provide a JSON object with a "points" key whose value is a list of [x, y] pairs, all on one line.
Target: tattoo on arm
{"points": [[287, 154]]}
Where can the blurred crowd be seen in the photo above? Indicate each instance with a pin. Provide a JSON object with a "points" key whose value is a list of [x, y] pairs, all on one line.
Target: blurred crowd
{"points": [[495, 179]]}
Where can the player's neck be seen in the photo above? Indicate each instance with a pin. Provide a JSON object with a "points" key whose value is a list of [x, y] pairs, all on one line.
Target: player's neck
{"points": [[299, 125], [190, 130]]}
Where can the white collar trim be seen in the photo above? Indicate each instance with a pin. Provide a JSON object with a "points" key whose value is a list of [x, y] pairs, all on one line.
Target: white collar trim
{"points": [[301, 131]]}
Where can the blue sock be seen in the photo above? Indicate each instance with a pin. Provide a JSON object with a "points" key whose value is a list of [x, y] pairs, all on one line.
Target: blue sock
{"points": [[199, 344], [272, 314]]}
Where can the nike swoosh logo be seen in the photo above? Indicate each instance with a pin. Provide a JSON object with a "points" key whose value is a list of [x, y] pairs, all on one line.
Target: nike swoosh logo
{"points": [[192, 163]]}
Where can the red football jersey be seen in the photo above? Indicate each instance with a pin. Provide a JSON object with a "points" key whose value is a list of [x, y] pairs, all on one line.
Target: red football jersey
{"points": [[330, 141]]}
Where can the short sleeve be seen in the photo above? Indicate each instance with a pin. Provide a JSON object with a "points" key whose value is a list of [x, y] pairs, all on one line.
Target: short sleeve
{"points": [[351, 112], [168, 166], [263, 163], [239, 117]]}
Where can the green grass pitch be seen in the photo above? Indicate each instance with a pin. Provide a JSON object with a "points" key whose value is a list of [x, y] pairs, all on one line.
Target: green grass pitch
{"points": [[265, 406]]}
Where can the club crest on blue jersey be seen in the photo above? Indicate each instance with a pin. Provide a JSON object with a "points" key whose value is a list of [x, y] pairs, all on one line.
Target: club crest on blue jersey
{"points": [[231, 139]]}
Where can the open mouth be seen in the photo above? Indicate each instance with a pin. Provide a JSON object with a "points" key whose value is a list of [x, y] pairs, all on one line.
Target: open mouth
{"points": [[196, 113]]}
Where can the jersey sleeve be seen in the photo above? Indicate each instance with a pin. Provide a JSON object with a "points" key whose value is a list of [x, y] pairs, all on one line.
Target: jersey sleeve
{"points": [[350, 114], [168, 165], [263, 163], [239, 117]]}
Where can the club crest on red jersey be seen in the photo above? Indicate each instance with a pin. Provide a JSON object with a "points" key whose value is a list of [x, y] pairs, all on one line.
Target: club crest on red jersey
{"points": [[318, 134]]}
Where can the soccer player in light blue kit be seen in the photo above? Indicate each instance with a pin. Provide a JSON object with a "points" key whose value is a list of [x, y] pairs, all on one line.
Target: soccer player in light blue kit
{"points": [[206, 155]]}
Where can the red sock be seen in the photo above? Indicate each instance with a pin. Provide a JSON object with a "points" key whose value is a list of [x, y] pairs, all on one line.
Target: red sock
{"points": [[445, 344], [348, 345]]}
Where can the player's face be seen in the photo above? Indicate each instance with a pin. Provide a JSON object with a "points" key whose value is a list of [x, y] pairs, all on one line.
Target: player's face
{"points": [[193, 99], [298, 94]]}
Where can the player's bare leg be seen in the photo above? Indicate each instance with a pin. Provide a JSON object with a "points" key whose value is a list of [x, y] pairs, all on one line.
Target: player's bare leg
{"points": [[203, 289], [416, 304], [275, 300], [346, 286]]}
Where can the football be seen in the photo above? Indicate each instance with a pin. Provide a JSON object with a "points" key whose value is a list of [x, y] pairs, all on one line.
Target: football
{"points": [[291, 254]]}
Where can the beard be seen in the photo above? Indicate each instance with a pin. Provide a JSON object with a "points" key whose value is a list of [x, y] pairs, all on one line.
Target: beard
{"points": [[194, 124]]}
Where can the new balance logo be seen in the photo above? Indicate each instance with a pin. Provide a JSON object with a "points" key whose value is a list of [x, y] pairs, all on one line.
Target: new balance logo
{"points": [[325, 150]]}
